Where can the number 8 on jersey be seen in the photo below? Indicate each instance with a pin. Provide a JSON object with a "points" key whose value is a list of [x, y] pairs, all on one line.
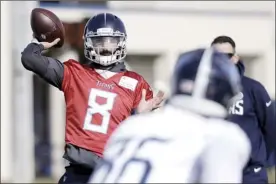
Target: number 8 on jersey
{"points": [[102, 109]]}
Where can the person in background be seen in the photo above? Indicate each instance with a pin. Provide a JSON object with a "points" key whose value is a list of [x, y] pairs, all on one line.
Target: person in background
{"points": [[253, 111]]}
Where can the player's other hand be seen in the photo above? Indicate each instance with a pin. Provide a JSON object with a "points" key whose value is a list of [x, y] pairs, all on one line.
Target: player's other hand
{"points": [[47, 45], [149, 105]]}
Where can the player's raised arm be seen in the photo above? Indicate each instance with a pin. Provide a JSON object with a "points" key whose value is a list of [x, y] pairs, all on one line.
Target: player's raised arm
{"points": [[50, 69], [48, 31]]}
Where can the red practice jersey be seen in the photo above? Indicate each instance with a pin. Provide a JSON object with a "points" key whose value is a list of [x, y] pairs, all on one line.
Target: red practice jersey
{"points": [[95, 106]]}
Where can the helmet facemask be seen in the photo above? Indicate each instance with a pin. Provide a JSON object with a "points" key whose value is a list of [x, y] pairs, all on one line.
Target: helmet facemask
{"points": [[105, 47]]}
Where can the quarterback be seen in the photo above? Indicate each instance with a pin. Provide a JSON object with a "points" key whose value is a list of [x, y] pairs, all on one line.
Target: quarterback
{"points": [[99, 92]]}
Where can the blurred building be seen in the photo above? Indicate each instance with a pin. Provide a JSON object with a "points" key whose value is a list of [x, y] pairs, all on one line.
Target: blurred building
{"points": [[158, 32]]}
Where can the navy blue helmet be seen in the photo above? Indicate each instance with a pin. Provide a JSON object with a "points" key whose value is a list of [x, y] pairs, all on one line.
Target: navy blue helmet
{"points": [[105, 39], [208, 81]]}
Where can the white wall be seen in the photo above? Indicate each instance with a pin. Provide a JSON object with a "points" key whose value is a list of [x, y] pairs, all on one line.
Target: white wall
{"points": [[233, 6], [24, 155], [17, 148], [6, 94]]}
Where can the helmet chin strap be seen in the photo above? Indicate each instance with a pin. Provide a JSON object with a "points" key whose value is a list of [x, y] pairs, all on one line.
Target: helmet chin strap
{"points": [[105, 60], [115, 67], [102, 67]]}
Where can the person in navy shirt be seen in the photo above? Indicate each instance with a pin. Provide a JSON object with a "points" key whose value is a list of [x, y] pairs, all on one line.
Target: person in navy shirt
{"points": [[253, 111], [272, 157]]}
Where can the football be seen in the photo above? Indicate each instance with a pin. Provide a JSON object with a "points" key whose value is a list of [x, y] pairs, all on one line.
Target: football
{"points": [[47, 26]]}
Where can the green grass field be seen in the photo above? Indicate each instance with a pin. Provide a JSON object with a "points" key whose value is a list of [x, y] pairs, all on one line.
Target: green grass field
{"points": [[45, 180], [272, 175]]}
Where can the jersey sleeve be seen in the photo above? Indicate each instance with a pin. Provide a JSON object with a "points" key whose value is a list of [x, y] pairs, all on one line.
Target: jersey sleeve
{"points": [[225, 157], [66, 76], [143, 84], [49, 69]]}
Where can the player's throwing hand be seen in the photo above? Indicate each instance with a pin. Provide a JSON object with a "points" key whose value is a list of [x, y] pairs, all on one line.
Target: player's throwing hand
{"points": [[47, 45], [154, 103]]}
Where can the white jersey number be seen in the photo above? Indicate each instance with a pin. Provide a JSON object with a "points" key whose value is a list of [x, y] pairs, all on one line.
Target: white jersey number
{"points": [[122, 155], [103, 110]]}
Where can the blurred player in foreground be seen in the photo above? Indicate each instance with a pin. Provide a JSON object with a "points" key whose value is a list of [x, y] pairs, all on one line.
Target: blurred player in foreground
{"points": [[187, 141], [254, 113], [99, 93]]}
